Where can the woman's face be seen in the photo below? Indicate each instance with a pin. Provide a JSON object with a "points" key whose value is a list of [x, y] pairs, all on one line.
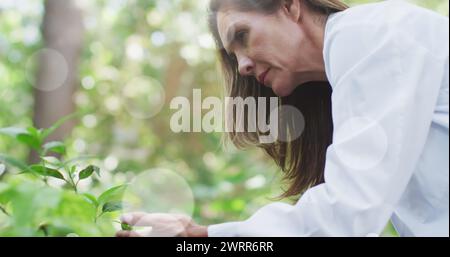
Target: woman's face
{"points": [[274, 48]]}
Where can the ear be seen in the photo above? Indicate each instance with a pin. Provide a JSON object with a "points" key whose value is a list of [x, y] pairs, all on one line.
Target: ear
{"points": [[293, 9]]}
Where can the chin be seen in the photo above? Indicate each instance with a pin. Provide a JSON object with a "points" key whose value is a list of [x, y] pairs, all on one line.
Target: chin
{"points": [[282, 90]]}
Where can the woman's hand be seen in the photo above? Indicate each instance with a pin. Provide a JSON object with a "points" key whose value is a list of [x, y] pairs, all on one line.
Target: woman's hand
{"points": [[160, 225]]}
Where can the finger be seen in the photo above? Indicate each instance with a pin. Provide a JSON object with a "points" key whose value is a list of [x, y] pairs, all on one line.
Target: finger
{"points": [[162, 220], [157, 220], [132, 218], [124, 233], [145, 219]]}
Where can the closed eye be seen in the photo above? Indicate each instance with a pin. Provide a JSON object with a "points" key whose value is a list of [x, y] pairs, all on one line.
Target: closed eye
{"points": [[241, 37]]}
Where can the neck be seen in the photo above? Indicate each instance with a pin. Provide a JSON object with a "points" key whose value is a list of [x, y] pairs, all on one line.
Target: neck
{"points": [[314, 29]]}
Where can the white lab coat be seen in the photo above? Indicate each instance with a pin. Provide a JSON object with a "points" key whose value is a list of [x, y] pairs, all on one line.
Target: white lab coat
{"points": [[388, 66]]}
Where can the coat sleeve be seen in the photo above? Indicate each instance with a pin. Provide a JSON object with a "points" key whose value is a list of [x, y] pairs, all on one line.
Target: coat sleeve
{"points": [[385, 87]]}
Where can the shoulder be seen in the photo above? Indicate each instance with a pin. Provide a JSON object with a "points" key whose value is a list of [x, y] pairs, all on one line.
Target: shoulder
{"points": [[392, 12], [379, 32]]}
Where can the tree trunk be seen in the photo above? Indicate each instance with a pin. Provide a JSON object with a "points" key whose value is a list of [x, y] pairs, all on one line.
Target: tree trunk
{"points": [[57, 80]]}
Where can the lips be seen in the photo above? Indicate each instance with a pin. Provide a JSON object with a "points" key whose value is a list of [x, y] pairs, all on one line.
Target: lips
{"points": [[262, 76]]}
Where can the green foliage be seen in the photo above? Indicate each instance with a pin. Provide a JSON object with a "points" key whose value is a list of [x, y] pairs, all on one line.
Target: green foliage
{"points": [[112, 207], [87, 172], [31, 207]]}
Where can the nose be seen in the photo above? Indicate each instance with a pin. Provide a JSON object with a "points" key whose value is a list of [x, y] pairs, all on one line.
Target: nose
{"points": [[246, 65]]}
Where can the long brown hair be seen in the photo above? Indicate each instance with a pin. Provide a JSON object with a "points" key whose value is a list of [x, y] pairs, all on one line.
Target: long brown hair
{"points": [[302, 160]]}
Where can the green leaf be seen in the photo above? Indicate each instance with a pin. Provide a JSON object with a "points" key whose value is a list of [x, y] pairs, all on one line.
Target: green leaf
{"points": [[29, 140], [13, 131], [91, 199], [35, 132], [44, 171], [112, 206], [28, 136], [55, 146], [52, 160], [72, 170], [126, 226], [114, 193], [87, 172]]}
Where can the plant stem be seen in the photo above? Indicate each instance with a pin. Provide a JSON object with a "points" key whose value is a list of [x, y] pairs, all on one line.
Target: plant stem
{"points": [[98, 216], [74, 185], [43, 164], [2, 209]]}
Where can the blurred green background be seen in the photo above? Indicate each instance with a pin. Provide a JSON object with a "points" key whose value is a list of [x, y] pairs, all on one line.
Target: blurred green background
{"points": [[108, 44]]}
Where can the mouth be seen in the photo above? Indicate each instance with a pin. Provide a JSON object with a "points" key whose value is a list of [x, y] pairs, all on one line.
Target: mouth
{"points": [[262, 76]]}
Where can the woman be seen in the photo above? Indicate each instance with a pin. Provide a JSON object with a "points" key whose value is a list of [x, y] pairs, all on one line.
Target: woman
{"points": [[372, 84]]}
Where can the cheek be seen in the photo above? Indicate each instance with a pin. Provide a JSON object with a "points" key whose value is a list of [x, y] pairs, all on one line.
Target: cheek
{"points": [[264, 48], [267, 48], [270, 56], [259, 50], [287, 46]]}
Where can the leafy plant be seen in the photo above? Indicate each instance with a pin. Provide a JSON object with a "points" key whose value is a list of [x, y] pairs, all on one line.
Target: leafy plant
{"points": [[31, 206]]}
